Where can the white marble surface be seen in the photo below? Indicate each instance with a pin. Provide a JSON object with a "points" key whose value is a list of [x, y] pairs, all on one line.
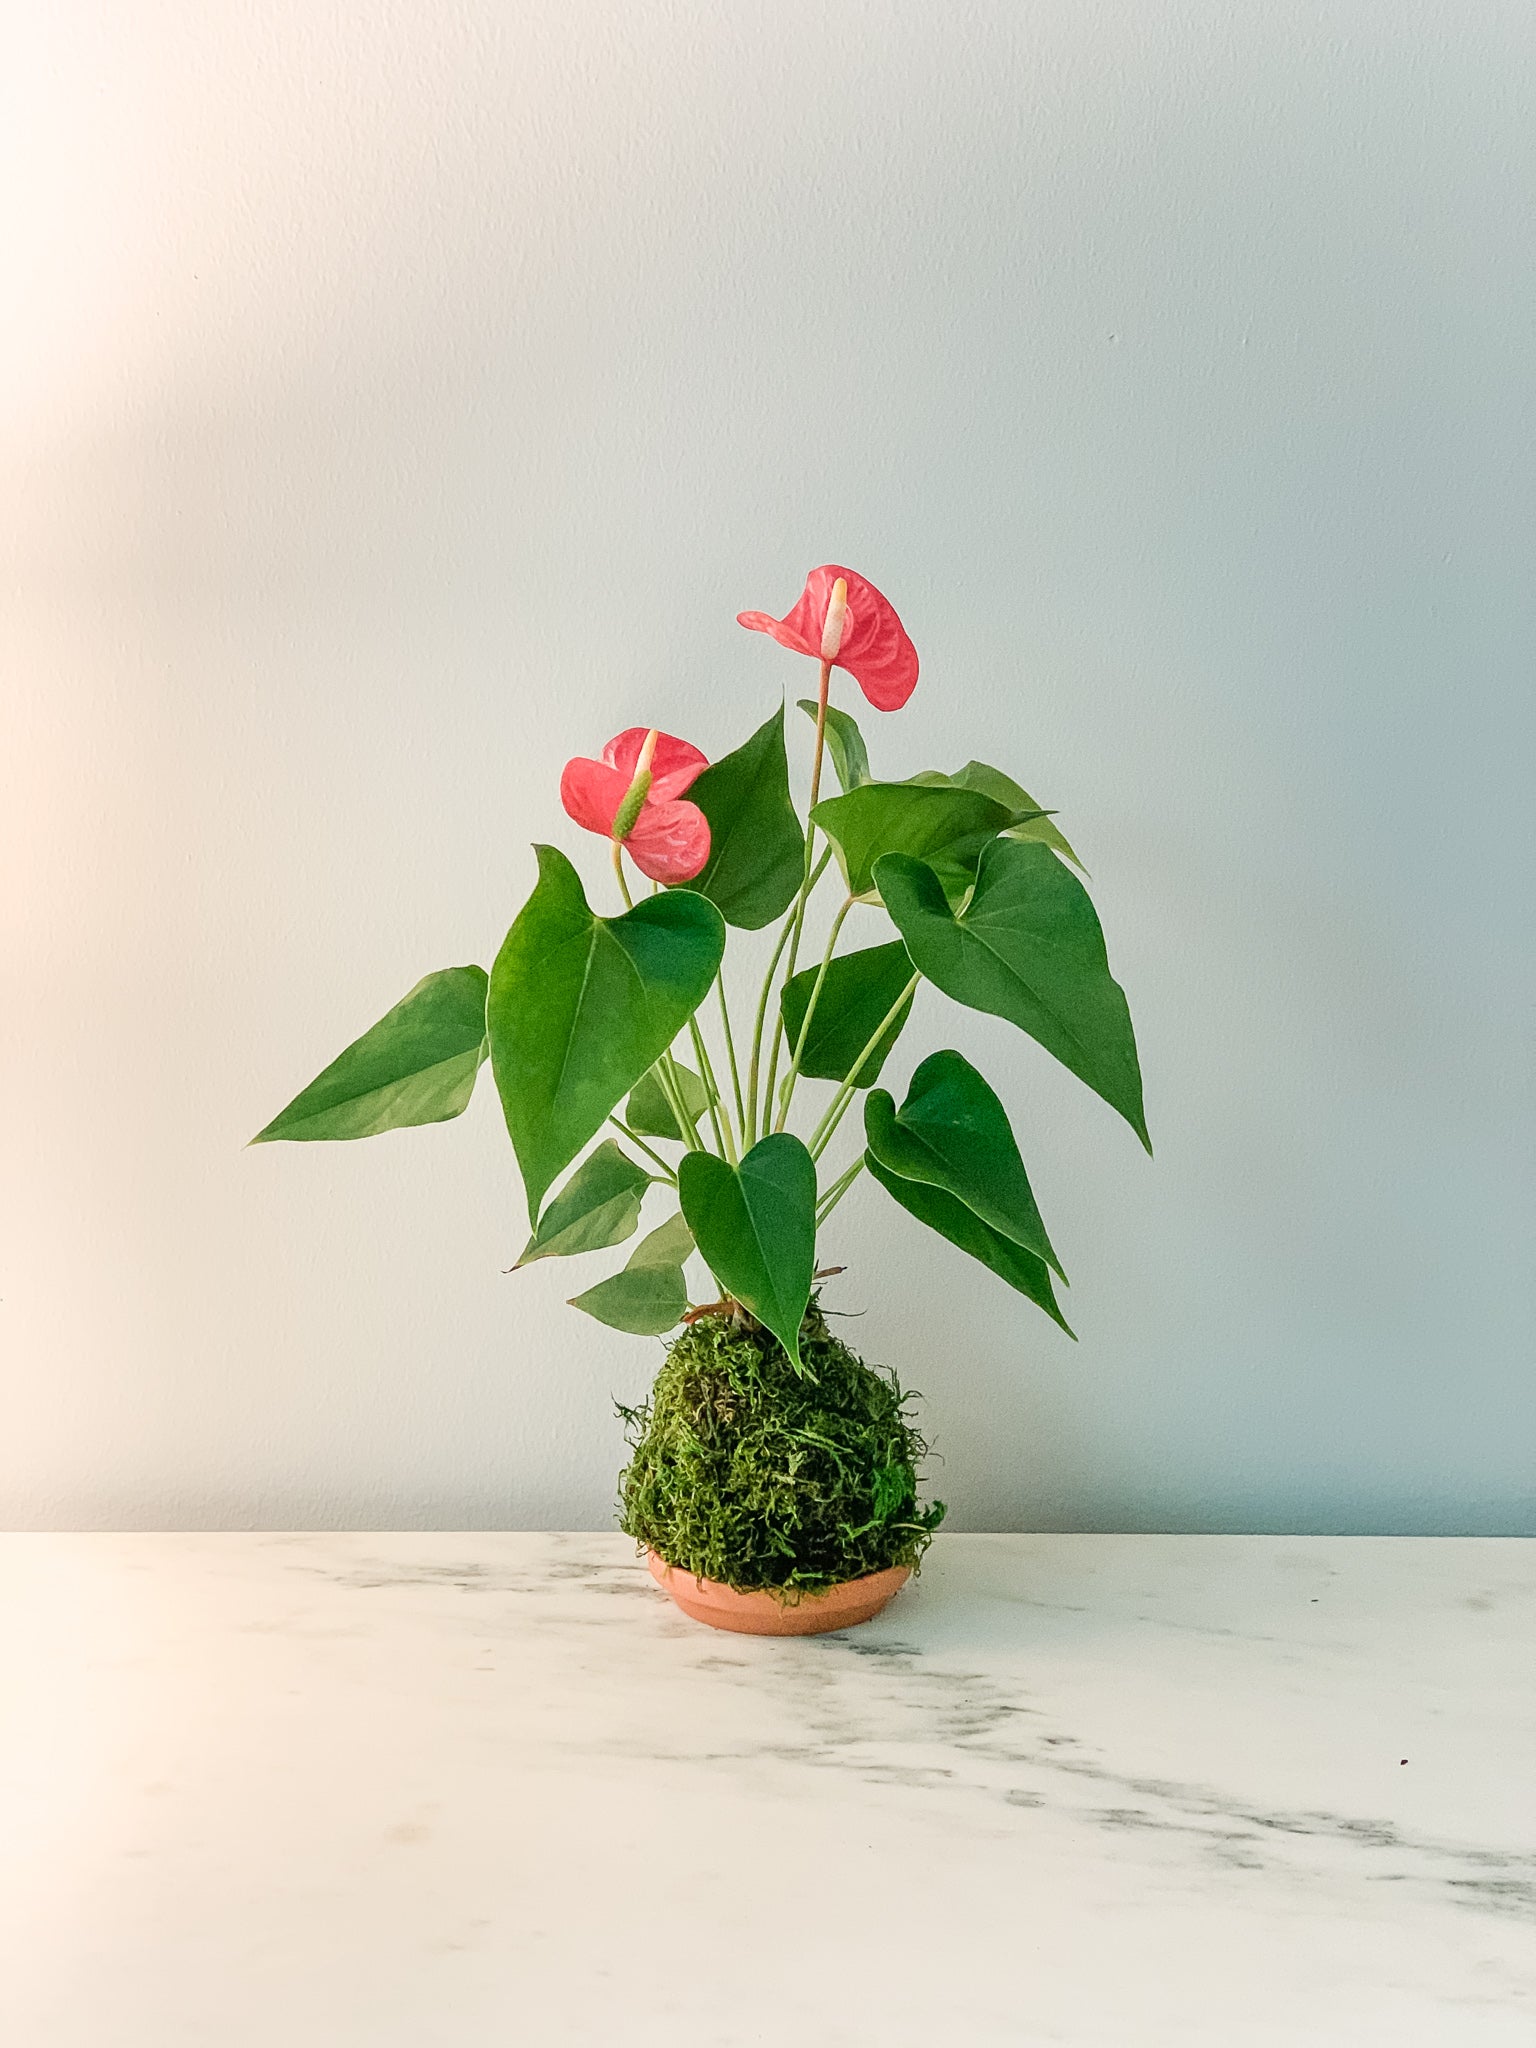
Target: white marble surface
{"points": [[404, 1790]]}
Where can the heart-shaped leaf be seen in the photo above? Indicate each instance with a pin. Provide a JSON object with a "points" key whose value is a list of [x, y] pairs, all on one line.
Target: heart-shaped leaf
{"points": [[756, 846], [417, 1065], [649, 1112], [949, 1216], [953, 1133], [755, 1225], [859, 990], [943, 826], [581, 1005], [1027, 947], [1034, 823], [599, 1205], [844, 742], [648, 1298]]}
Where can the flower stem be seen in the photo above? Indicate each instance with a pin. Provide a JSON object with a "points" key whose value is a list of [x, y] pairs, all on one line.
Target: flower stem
{"points": [[810, 1010], [635, 1138], [838, 1189], [618, 869], [730, 1049], [823, 688], [822, 1134], [677, 1102], [666, 1069], [762, 1010], [808, 882], [719, 1115]]}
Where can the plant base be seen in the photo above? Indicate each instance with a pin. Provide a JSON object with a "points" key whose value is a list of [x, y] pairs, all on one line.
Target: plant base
{"points": [[763, 1613], [773, 1485]]}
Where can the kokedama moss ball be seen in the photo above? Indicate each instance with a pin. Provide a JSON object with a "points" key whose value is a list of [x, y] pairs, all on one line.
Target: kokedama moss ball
{"points": [[749, 1473]]}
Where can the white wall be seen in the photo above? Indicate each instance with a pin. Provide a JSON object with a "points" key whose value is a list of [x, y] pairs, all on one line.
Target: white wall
{"points": [[400, 398]]}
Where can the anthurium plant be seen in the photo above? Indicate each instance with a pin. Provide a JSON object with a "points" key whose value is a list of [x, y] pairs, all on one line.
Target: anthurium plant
{"points": [[623, 1066]]}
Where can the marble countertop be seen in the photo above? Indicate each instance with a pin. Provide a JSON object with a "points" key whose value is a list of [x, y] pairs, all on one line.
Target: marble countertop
{"points": [[433, 1791]]}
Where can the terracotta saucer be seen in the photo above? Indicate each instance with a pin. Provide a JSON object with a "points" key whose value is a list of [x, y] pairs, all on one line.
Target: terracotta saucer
{"points": [[768, 1614]]}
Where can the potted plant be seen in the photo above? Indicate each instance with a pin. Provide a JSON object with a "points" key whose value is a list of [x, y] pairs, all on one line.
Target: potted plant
{"points": [[773, 1475]]}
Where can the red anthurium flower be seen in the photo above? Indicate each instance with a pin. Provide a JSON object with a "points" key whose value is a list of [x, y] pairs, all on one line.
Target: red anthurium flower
{"points": [[869, 641], [666, 838]]}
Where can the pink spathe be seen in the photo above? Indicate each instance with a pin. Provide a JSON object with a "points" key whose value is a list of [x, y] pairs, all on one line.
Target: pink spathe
{"points": [[669, 841], [873, 647]]}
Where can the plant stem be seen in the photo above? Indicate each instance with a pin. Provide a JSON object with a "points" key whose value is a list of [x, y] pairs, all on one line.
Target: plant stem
{"points": [[618, 869], [666, 1069], [677, 1101], [807, 881], [762, 1008], [730, 1049], [635, 1138], [838, 1189], [822, 690], [719, 1115], [810, 1010], [840, 1101]]}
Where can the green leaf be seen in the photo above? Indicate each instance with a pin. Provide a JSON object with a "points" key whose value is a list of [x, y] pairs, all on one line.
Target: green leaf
{"points": [[756, 846], [1028, 947], [950, 1217], [581, 1005], [599, 1205], [649, 1112], [858, 991], [1045, 832], [648, 1298], [944, 826], [953, 1133], [756, 1227], [417, 1065], [844, 742], [1003, 789]]}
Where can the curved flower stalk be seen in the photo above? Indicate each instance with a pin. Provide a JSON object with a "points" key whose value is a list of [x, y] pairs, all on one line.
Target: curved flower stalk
{"points": [[842, 621], [583, 1012]]}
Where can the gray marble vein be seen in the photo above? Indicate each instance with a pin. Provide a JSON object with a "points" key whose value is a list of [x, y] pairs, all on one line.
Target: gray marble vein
{"points": [[442, 1789]]}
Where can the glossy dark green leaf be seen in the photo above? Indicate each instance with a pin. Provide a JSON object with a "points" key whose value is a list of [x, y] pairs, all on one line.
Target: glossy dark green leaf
{"points": [[649, 1296], [756, 844], [944, 826], [1044, 831], [649, 1112], [859, 990], [599, 1205], [949, 1216], [1028, 947], [755, 1225], [844, 742], [417, 1065], [581, 1005], [1003, 789], [953, 1132]]}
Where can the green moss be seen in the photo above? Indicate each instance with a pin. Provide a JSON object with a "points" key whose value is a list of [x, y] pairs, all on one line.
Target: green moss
{"points": [[747, 1472]]}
